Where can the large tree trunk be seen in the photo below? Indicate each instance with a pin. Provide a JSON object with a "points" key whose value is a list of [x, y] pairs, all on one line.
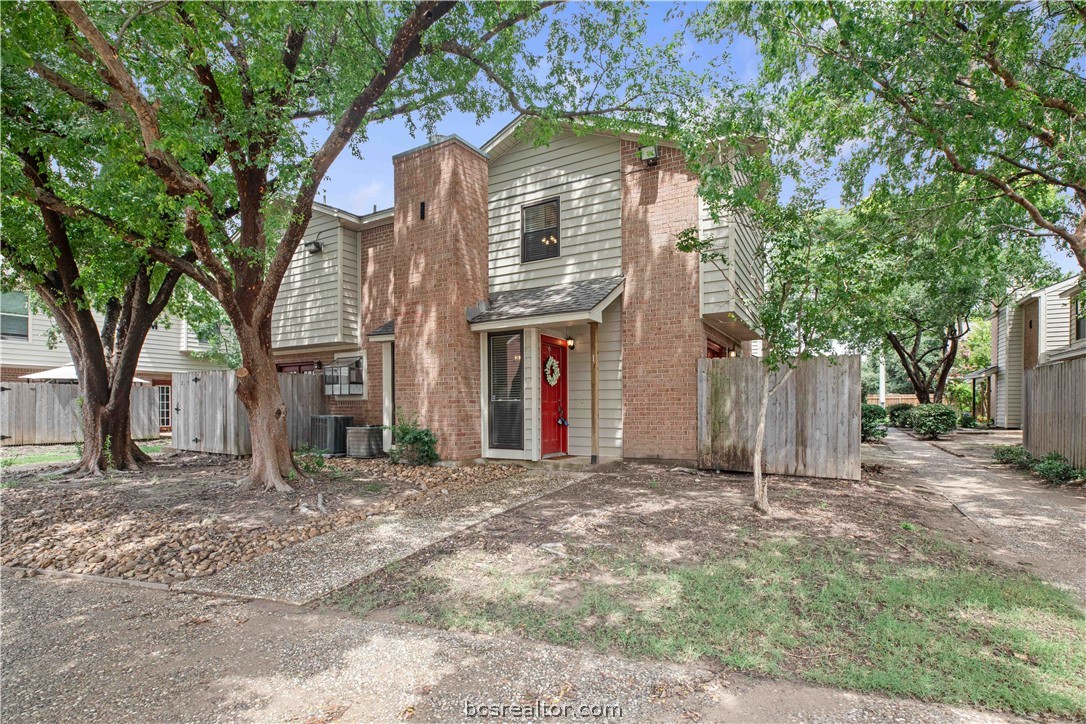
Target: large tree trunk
{"points": [[107, 438], [258, 389], [106, 413]]}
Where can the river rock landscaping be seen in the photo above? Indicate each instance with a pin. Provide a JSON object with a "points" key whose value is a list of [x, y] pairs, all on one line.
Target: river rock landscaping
{"points": [[191, 515]]}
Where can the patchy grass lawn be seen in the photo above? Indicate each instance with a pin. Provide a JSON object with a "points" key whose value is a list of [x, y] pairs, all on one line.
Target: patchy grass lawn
{"points": [[39, 454], [892, 605]]}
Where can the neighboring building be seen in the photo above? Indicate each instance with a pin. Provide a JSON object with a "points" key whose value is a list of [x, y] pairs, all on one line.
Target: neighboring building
{"points": [[24, 348], [494, 262], [1036, 328]]}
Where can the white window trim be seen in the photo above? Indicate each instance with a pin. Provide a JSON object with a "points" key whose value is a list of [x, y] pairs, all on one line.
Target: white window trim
{"points": [[365, 374], [531, 396], [29, 324]]}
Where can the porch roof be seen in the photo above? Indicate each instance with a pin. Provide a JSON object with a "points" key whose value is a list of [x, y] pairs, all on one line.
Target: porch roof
{"points": [[387, 328], [981, 374], [570, 299]]}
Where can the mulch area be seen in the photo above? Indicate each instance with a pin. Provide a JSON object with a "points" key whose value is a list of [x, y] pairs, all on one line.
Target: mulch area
{"points": [[191, 515]]}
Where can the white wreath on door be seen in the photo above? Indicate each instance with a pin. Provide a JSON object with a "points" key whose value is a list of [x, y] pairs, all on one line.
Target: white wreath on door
{"points": [[551, 371]]}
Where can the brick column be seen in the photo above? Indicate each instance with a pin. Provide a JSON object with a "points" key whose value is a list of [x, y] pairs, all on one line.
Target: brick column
{"points": [[662, 332], [440, 266]]}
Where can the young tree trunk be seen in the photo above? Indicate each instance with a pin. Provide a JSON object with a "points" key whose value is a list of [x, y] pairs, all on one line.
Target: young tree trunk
{"points": [[258, 389], [761, 490]]}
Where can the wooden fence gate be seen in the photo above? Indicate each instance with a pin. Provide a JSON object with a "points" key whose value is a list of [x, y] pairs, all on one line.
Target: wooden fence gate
{"points": [[209, 417], [812, 424], [48, 413], [1054, 411]]}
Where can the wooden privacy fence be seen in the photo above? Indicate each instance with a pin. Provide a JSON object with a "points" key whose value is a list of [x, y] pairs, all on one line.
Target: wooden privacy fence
{"points": [[1054, 411], [812, 423], [894, 399], [47, 413], [209, 417]]}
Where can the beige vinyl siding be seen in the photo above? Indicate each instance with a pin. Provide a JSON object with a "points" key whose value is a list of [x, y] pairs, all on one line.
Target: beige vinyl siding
{"points": [[162, 351], [580, 386], [733, 288], [309, 308], [585, 174], [1056, 321], [1008, 396], [351, 270], [746, 256]]}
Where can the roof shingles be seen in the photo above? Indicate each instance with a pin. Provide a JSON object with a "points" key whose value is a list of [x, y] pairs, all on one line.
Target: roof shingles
{"points": [[541, 301]]}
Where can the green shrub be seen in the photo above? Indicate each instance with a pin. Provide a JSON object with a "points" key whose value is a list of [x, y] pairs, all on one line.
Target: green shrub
{"points": [[899, 414], [310, 459], [1014, 455], [414, 445], [872, 423], [1055, 468], [931, 421], [968, 421]]}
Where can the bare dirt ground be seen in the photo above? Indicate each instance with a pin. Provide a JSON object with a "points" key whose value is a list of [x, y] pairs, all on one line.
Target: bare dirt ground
{"points": [[84, 651], [679, 516], [76, 651], [191, 515]]}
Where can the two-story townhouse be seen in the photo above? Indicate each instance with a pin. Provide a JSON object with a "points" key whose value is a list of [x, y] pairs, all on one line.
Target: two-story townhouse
{"points": [[526, 301], [1035, 328], [26, 347]]}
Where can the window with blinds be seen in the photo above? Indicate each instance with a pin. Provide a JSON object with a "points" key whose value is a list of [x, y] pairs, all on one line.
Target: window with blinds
{"points": [[540, 227], [507, 391]]}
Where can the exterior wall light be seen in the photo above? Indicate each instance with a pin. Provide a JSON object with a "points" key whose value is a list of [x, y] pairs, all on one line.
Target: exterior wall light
{"points": [[649, 154], [314, 246], [570, 342]]}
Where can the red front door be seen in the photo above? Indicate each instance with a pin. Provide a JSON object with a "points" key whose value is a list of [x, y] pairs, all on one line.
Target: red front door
{"points": [[555, 434]]}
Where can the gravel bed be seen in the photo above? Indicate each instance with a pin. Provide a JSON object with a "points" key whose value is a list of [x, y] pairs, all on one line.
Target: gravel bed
{"points": [[202, 524], [303, 573]]}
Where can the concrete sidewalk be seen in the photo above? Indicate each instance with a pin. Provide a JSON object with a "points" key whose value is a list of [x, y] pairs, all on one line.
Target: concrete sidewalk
{"points": [[93, 652], [1041, 526], [305, 572]]}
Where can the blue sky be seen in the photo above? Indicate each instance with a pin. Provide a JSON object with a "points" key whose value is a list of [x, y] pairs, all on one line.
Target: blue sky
{"points": [[357, 185]]}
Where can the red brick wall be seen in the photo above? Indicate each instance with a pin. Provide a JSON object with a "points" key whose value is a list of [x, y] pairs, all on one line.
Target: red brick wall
{"points": [[12, 374], [662, 332], [378, 273], [440, 269]]}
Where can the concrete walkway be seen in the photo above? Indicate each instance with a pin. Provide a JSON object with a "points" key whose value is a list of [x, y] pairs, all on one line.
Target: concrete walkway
{"points": [[1033, 524], [94, 652], [305, 572]]}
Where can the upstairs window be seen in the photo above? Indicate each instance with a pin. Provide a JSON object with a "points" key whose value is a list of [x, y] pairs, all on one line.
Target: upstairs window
{"points": [[540, 231], [14, 316]]}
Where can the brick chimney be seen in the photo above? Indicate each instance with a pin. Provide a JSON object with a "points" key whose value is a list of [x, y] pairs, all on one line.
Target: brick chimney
{"points": [[440, 261]]}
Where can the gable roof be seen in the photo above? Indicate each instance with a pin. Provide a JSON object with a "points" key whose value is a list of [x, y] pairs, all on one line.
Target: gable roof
{"points": [[506, 138]]}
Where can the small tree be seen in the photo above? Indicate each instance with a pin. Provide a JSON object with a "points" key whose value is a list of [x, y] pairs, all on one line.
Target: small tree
{"points": [[797, 309]]}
